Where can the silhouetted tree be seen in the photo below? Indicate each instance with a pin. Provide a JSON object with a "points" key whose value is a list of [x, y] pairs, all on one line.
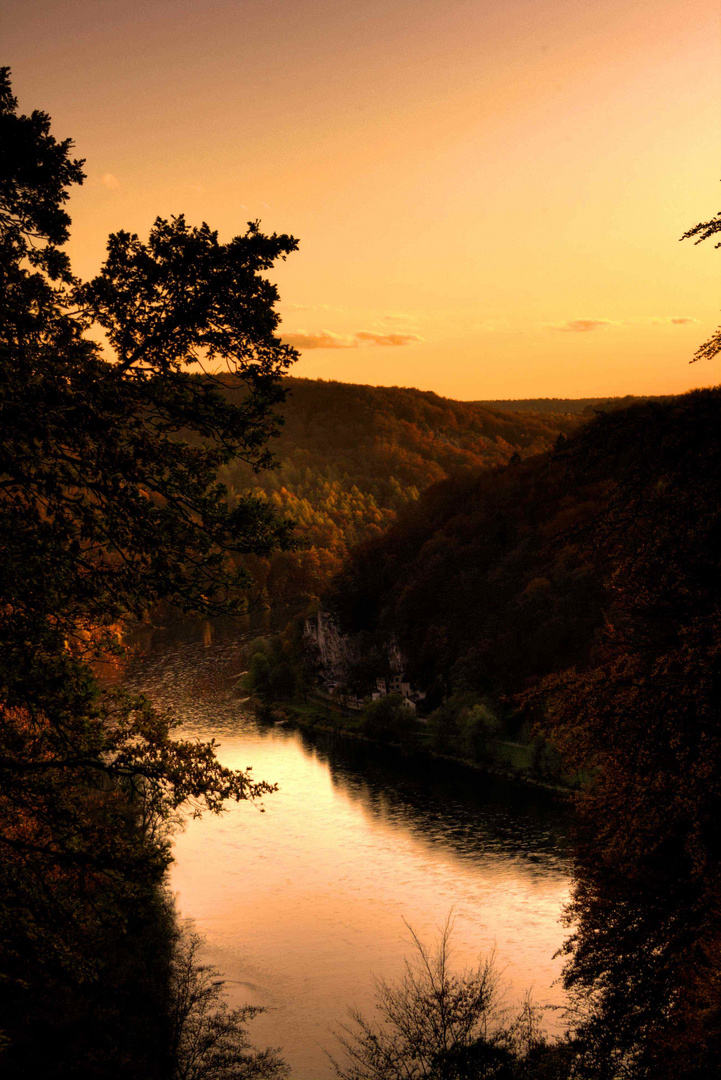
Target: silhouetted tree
{"points": [[109, 503], [703, 231], [209, 1041], [437, 1024]]}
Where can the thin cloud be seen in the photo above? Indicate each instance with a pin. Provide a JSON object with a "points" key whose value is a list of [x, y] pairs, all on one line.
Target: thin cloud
{"points": [[387, 339], [398, 317], [326, 339], [582, 326], [323, 340], [110, 180], [664, 320]]}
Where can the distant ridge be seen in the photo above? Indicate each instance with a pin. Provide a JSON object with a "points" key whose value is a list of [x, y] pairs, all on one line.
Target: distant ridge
{"points": [[553, 406], [563, 406]]}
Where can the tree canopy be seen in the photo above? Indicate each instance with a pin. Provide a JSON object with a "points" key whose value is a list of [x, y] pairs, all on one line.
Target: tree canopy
{"points": [[113, 425], [435, 1023], [109, 454]]}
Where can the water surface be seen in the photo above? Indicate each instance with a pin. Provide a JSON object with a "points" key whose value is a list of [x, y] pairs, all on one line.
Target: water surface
{"points": [[303, 903]]}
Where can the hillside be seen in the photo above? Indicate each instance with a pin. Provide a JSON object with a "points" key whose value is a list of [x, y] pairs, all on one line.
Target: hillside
{"points": [[496, 579], [486, 583], [351, 457]]}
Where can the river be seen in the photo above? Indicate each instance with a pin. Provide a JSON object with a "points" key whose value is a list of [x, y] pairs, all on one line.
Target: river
{"points": [[302, 904]]}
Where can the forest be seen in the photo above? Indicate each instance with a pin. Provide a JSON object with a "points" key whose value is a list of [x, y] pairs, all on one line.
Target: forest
{"points": [[107, 511], [349, 458], [560, 406]]}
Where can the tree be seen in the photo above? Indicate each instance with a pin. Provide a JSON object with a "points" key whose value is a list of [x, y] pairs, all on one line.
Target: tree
{"points": [[642, 718], [435, 1024], [108, 459], [209, 1040], [389, 719], [703, 231], [110, 505]]}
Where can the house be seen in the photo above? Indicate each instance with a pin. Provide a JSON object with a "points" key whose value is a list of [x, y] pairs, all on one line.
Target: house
{"points": [[397, 684]]}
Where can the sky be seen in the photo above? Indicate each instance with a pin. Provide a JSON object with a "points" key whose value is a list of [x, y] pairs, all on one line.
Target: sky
{"points": [[489, 196]]}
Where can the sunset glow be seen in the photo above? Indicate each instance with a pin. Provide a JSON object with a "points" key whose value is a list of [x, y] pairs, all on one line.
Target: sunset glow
{"points": [[489, 197]]}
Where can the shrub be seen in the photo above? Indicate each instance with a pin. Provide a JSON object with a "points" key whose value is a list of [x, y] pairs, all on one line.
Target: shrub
{"points": [[389, 720], [436, 1024]]}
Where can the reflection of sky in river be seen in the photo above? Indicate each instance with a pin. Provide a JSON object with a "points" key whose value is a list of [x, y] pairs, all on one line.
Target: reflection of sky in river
{"points": [[301, 904]]}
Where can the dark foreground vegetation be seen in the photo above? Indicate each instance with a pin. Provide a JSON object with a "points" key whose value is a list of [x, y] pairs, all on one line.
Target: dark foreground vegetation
{"points": [[443, 1024], [105, 512]]}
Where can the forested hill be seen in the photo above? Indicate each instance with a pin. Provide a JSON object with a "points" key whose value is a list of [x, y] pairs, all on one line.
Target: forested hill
{"points": [[496, 579], [581, 589], [351, 457], [420, 435]]}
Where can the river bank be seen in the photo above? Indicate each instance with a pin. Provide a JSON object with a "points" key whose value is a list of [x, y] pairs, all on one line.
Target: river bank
{"points": [[511, 762]]}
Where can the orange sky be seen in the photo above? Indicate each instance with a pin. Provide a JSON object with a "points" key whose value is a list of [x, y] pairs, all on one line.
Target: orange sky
{"points": [[488, 195]]}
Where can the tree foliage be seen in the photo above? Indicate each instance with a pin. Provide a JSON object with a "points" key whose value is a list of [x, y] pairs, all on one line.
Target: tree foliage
{"points": [[584, 588], [704, 231], [484, 582], [209, 1041], [389, 719], [110, 504], [643, 958], [278, 670]]}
